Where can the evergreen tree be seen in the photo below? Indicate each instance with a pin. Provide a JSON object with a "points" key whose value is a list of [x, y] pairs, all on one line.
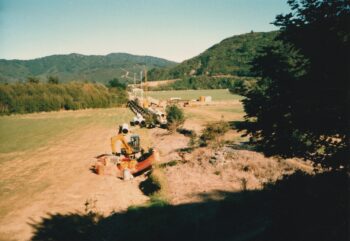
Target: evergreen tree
{"points": [[300, 105]]}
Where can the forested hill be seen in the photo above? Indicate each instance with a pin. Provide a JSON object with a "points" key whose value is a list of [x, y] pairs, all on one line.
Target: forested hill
{"points": [[229, 57], [79, 67]]}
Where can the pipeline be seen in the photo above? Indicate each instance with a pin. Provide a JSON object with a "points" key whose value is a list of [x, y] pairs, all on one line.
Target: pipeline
{"points": [[146, 114], [137, 109]]}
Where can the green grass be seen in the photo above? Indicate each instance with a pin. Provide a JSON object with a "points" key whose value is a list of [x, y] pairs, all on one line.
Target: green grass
{"points": [[31, 131], [219, 94]]}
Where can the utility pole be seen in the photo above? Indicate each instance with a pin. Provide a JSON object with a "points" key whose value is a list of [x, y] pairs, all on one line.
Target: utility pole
{"points": [[141, 85], [134, 85], [145, 79]]}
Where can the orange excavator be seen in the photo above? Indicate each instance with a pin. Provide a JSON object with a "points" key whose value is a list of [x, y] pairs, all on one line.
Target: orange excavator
{"points": [[127, 158]]}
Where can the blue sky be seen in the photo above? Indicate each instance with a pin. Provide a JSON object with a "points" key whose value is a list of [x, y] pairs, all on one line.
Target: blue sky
{"points": [[171, 29]]}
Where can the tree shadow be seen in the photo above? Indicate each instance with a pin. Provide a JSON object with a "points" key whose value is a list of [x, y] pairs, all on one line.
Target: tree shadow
{"points": [[244, 145], [299, 207]]}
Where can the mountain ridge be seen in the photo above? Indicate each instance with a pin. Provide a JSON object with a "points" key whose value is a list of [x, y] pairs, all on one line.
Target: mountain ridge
{"points": [[231, 56], [75, 66]]}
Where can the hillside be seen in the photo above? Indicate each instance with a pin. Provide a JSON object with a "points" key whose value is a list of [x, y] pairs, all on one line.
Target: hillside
{"points": [[229, 57], [79, 67]]}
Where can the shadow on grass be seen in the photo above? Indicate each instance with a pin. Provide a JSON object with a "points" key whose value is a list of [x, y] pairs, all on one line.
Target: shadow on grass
{"points": [[300, 207]]}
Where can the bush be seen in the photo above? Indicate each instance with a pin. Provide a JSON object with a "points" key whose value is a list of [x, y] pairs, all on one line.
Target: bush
{"points": [[116, 83], [175, 117], [238, 87], [213, 131]]}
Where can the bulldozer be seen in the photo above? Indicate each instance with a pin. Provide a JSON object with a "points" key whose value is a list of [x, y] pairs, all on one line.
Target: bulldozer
{"points": [[128, 158]]}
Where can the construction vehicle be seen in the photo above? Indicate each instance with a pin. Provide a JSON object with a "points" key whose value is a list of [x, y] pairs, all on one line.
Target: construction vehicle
{"points": [[128, 158]]}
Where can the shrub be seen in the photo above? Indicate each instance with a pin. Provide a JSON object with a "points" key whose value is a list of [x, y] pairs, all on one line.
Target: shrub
{"points": [[193, 142], [238, 87], [175, 117], [116, 83], [213, 131]]}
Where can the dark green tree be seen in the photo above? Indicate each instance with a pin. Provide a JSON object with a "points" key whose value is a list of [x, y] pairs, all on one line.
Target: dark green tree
{"points": [[116, 83], [175, 117], [238, 87], [33, 80], [52, 79], [299, 107]]}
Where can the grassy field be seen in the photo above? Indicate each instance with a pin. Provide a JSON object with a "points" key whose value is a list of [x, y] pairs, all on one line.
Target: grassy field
{"points": [[228, 112], [25, 132], [217, 95], [45, 158], [42, 157]]}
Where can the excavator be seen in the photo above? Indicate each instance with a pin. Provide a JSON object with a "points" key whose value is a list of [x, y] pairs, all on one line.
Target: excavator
{"points": [[127, 158]]}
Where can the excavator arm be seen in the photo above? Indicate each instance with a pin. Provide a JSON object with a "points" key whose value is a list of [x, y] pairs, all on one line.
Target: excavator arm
{"points": [[123, 144]]}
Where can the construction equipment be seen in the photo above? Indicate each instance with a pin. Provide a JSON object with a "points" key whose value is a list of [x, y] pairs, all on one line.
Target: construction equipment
{"points": [[127, 157], [147, 110], [152, 116], [127, 148]]}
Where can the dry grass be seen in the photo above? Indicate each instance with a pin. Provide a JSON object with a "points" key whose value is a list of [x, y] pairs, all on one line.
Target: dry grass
{"points": [[52, 173], [225, 169]]}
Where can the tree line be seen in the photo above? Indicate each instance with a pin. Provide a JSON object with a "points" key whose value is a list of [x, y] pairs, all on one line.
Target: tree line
{"points": [[36, 97], [235, 83]]}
